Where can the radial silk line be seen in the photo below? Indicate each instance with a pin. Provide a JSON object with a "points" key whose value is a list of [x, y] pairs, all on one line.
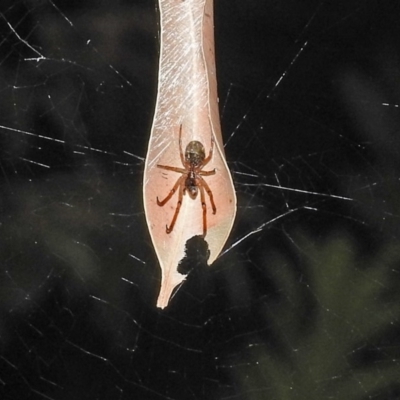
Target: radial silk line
{"points": [[187, 187]]}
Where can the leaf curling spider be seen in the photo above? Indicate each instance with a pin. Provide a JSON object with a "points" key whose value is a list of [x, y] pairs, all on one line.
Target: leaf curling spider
{"points": [[192, 179]]}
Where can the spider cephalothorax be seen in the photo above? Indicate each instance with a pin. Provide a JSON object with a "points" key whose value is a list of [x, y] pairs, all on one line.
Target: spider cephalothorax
{"points": [[192, 179]]}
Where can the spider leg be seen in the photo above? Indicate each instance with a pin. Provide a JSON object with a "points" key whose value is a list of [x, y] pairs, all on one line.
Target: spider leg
{"points": [[172, 191], [208, 158], [175, 169], [206, 173], [204, 207], [204, 184], [178, 207], [180, 146]]}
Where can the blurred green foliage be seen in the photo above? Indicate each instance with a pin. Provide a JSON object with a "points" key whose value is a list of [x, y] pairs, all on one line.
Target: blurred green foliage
{"points": [[336, 348]]}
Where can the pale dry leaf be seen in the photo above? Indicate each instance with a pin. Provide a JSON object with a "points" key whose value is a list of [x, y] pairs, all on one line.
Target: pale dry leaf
{"points": [[187, 96]]}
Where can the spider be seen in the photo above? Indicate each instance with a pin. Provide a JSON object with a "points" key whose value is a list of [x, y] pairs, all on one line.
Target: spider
{"points": [[192, 179]]}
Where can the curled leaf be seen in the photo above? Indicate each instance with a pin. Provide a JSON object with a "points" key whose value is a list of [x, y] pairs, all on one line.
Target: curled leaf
{"points": [[187, 107]]}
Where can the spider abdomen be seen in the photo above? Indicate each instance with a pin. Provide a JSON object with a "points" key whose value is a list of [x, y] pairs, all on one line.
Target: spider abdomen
{"points": [[195, 153]]}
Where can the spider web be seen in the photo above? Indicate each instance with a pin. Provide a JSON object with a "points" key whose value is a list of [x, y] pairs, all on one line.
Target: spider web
{"points": [[302, 304]]}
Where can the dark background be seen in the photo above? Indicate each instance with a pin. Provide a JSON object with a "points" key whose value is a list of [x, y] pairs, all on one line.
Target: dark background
{"points": [[303, 303]]}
